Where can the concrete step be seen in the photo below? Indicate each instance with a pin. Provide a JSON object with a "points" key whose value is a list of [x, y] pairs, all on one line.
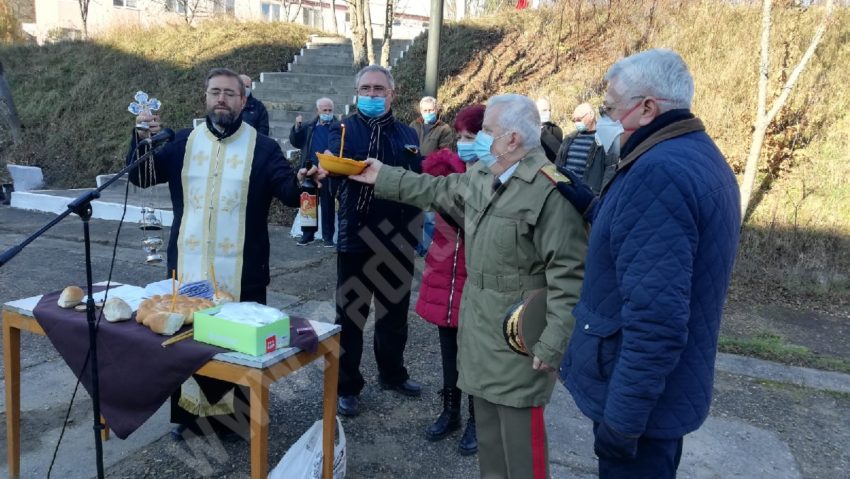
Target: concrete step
{"points": [[305, 103], [308, 90], [316, 80], [322, 69]]}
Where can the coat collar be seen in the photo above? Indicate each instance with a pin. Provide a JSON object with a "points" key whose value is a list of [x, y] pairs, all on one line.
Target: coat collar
{"points": [[528, 167]]}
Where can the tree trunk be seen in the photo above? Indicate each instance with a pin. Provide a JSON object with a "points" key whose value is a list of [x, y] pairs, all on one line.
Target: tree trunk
{"points": [[764, 117], [358, 35], [370, 41], [8, 113], [388, 35], [333, 16], [84, 16]]}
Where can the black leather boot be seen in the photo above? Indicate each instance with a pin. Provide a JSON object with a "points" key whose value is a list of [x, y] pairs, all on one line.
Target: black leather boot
{"points": [[469, 441], [449, 419]]}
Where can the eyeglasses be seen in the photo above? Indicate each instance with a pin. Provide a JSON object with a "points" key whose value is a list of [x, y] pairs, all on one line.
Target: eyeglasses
{"points": [[216, 93], [377, 90], [605, 110]]}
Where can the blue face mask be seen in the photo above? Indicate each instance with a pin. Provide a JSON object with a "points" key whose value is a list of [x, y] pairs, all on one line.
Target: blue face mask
{"points": [[429, 118], [580, 127], [372, 107], [482, 145], [466, 151], [326, 117]]}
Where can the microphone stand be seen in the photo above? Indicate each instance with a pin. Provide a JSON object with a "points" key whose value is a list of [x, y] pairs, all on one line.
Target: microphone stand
{"points": [[82, 207]]}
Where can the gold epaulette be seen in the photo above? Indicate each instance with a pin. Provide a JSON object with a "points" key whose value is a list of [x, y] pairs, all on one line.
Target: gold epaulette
{"points": [[551, 172]]}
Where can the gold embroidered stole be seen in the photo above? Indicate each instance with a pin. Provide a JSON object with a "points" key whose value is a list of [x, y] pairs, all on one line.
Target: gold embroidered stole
{"points": [[215, 197]]}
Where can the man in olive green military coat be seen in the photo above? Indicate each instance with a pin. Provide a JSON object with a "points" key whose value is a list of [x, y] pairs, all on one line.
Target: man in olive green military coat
{"points": [[521, 235]]}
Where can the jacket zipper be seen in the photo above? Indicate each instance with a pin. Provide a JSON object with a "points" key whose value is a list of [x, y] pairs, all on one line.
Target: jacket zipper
{"points": [[454, 276]]}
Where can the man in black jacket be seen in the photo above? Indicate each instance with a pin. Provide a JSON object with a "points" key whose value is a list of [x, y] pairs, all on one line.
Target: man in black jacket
{"points": [[254, 113], [551, 135], [312, 137], [376, 243]]}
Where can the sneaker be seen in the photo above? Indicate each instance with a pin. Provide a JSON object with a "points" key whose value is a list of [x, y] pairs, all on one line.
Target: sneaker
{"points": [[329, 244], [305, 240], [348, 406]]}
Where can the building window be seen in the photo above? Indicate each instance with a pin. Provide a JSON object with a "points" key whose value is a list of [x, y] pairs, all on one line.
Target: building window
{"points": [[177, 6], [124, 3], [271, 12]]}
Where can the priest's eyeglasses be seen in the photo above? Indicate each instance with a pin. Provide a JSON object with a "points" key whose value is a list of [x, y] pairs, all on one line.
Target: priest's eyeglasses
{"points": [[215, 93]]}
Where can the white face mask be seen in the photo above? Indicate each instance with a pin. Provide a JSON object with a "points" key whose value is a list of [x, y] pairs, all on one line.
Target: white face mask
{"points": [[608, 133]]}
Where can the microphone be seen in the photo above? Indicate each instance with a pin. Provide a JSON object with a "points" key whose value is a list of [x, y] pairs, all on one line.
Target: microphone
{"points": [[164, 136]]}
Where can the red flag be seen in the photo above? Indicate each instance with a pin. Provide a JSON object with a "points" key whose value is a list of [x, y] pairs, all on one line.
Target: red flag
{"points": [[521, 4]]}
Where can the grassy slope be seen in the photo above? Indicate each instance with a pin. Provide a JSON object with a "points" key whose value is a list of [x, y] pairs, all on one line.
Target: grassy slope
{"points": [[72, 97], [798, 238]]}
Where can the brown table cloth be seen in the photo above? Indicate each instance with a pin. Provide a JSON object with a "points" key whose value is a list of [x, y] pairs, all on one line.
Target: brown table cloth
{"points": [[136, 373]]}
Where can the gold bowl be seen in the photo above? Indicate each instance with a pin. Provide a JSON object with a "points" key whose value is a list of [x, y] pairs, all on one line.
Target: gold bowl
{"points": [[340, 166]]}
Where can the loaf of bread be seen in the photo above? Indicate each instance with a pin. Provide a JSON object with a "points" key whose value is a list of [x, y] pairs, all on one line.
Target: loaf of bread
{"points": [[164, 322], [70, 297], [183, 305], [223, 297], [116, 309]]}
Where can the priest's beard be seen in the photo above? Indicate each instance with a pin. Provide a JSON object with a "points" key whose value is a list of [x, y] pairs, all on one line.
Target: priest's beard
{"points": [[222, 119]]}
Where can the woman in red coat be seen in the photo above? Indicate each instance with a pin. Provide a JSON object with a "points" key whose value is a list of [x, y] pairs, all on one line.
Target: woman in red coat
{"points": [[443, 280]]}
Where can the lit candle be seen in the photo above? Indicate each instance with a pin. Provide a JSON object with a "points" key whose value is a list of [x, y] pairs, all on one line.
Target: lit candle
{"points": [[341, 139]]}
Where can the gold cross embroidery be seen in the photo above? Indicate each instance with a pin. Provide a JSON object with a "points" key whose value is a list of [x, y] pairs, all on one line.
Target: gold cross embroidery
{"points": [[234, 161], [197, 199], [226, 246], [200, 158], [228, 202], [193, 243]]}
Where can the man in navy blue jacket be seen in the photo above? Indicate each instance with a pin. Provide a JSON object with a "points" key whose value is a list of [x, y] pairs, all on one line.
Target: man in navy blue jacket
{"points": [[665, 231], [375, 243]]}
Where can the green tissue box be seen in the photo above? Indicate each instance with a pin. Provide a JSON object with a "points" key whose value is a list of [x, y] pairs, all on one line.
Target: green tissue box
{"points": [[238, 336]]}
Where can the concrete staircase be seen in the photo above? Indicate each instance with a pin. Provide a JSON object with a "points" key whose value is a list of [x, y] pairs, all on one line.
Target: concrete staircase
{"points": [[322, 69]]}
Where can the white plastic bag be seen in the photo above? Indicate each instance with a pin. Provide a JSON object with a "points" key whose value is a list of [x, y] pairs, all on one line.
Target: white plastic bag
{"points": [[304, 459]]}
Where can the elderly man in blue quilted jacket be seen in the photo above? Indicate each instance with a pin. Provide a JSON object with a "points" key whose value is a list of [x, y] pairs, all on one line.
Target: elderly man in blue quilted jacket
{"points": [[665, 230]]}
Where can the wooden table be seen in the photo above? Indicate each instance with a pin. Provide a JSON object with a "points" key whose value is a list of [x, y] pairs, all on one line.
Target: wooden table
{"points": [[17, 317]]}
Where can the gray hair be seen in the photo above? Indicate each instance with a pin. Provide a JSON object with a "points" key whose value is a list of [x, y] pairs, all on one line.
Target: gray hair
{"points": [[324, 98], [374, 68], [517, 113], [659, 73], [430, 100]]}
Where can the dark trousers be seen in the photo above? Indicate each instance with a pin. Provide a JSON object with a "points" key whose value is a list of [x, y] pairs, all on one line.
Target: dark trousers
{"points": [[448, 353], [386, 276], [327, 202], [215, 389], [656, 459]]}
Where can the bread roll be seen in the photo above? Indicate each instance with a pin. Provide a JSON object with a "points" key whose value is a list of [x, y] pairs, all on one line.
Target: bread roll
{"points": [[70, 297], [165, 323], [116, 309]]}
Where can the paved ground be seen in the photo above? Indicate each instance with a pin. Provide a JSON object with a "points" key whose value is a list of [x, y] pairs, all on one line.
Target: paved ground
{"points": [[782, 423]]}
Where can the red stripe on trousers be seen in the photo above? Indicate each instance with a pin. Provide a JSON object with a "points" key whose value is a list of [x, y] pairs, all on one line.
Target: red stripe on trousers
{"points": [[538, 443]]}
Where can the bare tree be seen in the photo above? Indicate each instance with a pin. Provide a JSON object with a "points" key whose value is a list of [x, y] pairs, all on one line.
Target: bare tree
{"points": [[370, 40], [763, 116], [358, 34], [289, 4], [333, 16], [388, 34], [84, 16]]}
